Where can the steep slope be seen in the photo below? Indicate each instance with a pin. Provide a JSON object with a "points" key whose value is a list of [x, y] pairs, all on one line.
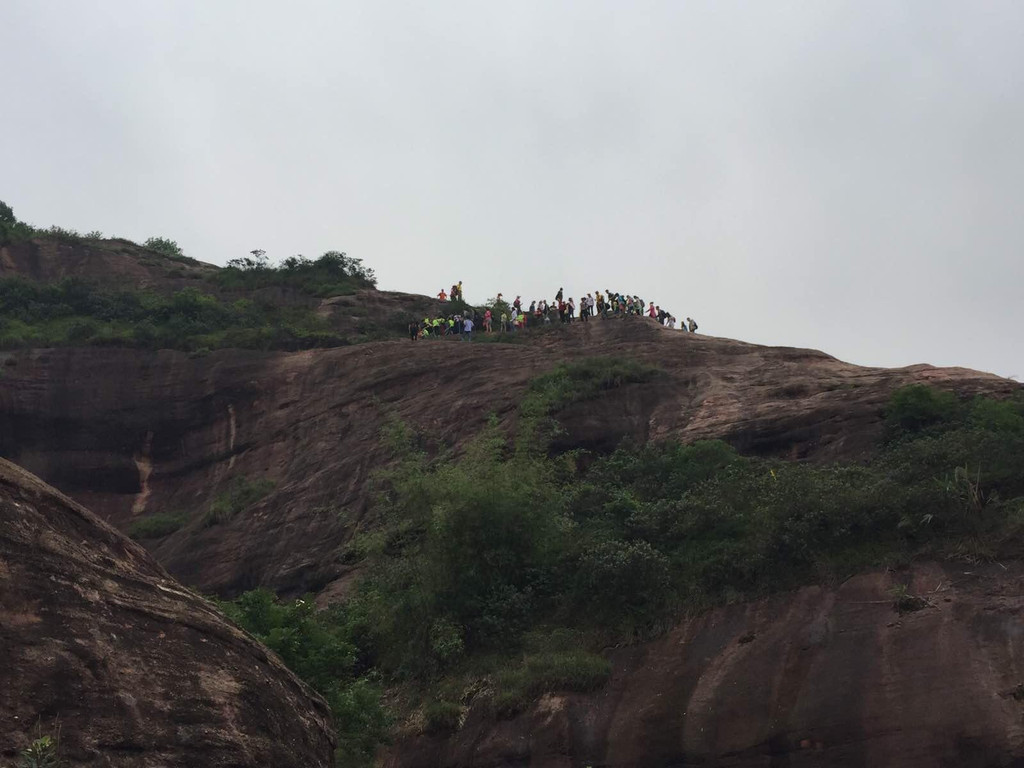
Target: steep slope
{"points": [[117, 264], [133, 669], [131, 433], [820, 677]]}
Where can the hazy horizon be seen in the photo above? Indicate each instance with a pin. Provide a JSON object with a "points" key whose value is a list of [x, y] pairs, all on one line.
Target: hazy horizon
{"points": [[844, 176]]}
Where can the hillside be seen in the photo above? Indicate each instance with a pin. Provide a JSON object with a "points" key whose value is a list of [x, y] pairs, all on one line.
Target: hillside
{"points": [[607, 543], [134, 433]]}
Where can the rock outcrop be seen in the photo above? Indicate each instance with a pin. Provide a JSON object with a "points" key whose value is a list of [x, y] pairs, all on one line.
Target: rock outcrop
{"points": [[97, 640], [131, 433], [818, 678]]}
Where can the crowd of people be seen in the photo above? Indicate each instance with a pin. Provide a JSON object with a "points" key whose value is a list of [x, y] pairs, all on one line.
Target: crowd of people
{"points": [[517, 316]]}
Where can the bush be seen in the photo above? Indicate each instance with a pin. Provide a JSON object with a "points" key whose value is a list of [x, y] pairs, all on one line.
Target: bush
{"points": [[12, 230], [241, 494], [321, 648], [72, 312], [333, 274], [584, 380], [622, 581], [44, 752], [156, 526], [442, 717], [518, 687], [164, 246], [917, 406]]}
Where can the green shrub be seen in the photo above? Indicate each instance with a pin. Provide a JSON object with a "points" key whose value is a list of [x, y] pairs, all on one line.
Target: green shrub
{"points": [[44, 752], [333, 274], [442, 717], [164, 246], [622, 581], [156, 526], [241, 494], [321, 647], [518, 686], [72, 312], [584, 380], [917, 406], [11, 230]]}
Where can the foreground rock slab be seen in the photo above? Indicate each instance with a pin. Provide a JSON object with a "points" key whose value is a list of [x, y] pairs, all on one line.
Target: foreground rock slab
{"points": [[819, 677], [96, 639]]}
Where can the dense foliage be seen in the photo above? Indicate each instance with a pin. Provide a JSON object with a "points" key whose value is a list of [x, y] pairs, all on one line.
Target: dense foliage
{"points": [[73, 312], [333, 274], [493, 576], [321, 647]]}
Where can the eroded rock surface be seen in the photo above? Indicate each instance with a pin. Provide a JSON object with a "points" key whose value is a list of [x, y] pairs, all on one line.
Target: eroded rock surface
{"points": [[820, 677], [130, 433], [135, 669]]}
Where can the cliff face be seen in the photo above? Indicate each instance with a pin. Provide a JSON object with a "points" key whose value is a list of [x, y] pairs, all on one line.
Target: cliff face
{"points": [[130, 432], [134, 669], [820, 677]]}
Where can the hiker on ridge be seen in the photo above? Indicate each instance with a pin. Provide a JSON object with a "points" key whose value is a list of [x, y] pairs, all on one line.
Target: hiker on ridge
{"points": [[442, 296], [691, 324]]}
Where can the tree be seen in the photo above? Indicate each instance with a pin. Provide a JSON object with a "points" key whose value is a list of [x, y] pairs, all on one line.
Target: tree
{"points": [[256, 261], [164, 246], [6, 213]]}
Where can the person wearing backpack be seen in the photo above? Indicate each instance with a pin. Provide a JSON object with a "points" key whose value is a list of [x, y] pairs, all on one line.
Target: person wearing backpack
{"points": [[691, 324]]}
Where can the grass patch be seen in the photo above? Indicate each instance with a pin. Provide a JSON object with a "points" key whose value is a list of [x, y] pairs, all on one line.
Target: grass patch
{"points": [[519, 686], [156, 526], [442, 717], [584, 380], [241, 494], [75, 313]]}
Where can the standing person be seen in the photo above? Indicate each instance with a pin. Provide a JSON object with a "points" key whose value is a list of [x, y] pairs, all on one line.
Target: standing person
{"points": [[442, 296], [570, 309], [518, 304], [487, 321], [414, 330], [504, 322], [460, 291], [467, 327], [558, 296], [691, 324], [671, 321], [651, 311]]}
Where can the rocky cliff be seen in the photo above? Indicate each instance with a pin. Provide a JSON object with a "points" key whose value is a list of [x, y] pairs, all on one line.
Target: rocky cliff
{"points": [[818, 678], [130, 432], [825, 676], [132, 669]]}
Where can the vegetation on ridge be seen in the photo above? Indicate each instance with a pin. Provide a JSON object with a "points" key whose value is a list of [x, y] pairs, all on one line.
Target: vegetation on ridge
{"points": [[497, 575], [249, 304]]}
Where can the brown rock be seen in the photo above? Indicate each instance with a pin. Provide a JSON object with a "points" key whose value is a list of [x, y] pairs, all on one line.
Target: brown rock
{"points": [[830, 681], [130, 433], [135, 669]]}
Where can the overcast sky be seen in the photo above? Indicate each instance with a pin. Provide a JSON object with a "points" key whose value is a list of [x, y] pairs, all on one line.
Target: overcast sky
{"points": [[847, 176]]}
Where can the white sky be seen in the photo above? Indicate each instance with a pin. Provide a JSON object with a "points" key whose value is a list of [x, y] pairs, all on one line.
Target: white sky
{"points": [[847, 176]]}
